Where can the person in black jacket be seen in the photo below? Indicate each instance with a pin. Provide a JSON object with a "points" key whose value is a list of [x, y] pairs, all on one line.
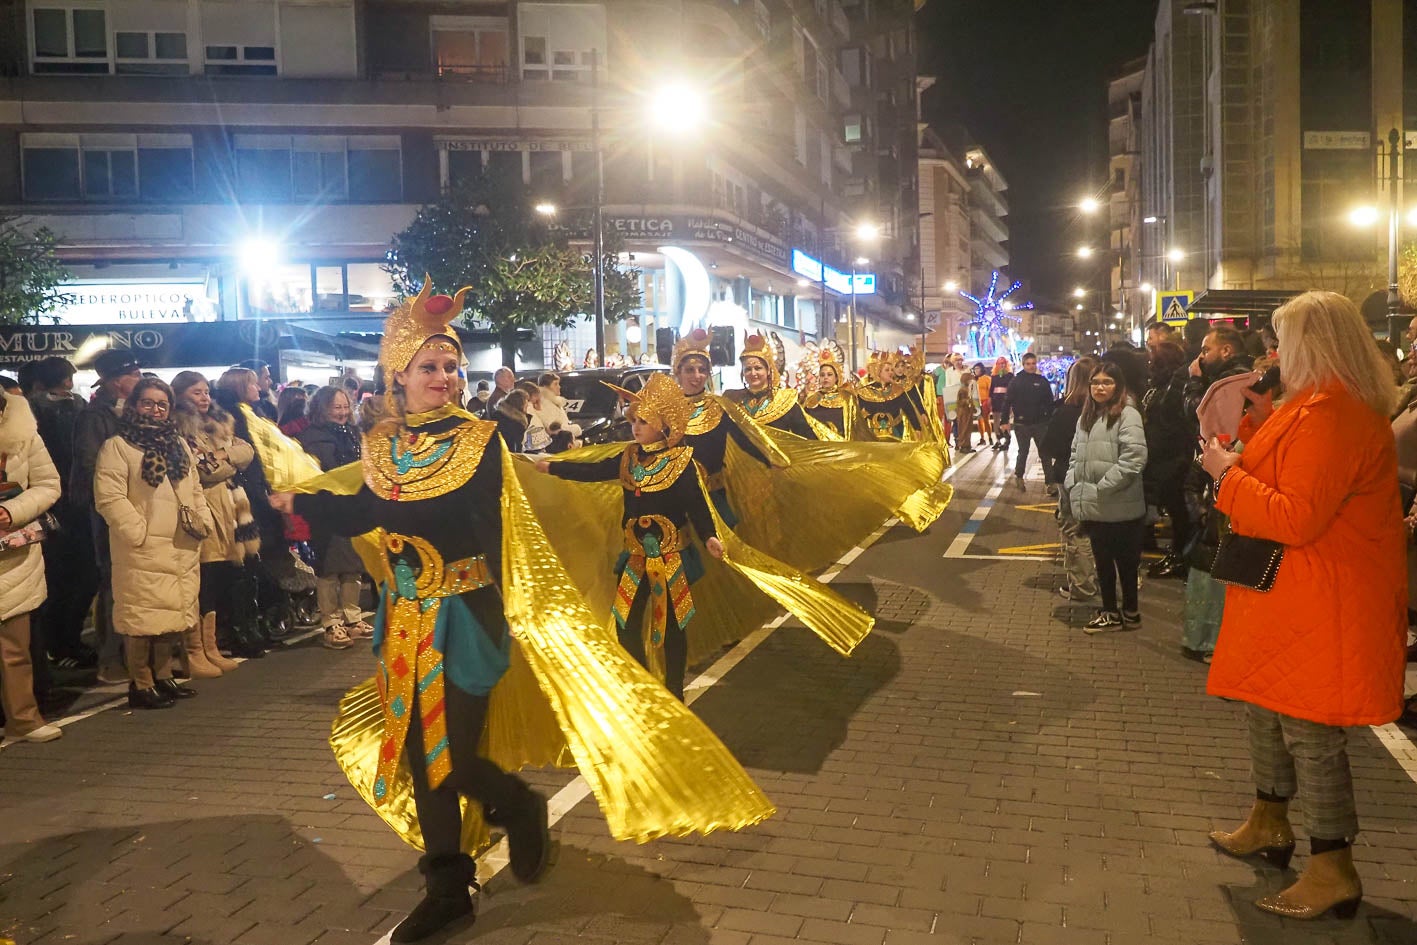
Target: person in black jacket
{"points": [[69, 551], [1031, 403], [1057, 446], [264, 404], [334, 441], [1170, 450], [118, 373]]}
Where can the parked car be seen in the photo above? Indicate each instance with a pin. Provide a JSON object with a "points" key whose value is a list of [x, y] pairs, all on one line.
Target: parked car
{"points": [[598, 409]]}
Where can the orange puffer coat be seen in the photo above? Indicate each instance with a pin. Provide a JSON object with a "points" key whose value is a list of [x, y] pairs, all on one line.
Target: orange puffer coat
{"points": [[1328, 642]]}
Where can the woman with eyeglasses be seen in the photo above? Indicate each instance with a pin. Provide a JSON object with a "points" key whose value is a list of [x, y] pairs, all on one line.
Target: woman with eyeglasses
{"points": [[1104, 493], [146, 487]]}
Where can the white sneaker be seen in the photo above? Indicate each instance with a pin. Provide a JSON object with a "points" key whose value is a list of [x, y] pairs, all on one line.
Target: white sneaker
{"points": [[45, 733]]}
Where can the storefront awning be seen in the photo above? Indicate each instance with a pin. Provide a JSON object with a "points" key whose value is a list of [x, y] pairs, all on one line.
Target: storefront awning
{"points": [[1239, 303]]}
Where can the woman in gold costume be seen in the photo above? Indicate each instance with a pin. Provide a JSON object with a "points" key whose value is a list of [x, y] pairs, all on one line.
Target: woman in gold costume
{"points": [[765, 399], [473, 665], [710, 425], [831, 400], [662, 496], [894, 408]]}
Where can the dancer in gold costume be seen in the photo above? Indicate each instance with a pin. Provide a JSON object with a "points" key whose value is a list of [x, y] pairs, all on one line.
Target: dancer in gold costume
{"points": [[830, 399], [893, 408], [712, 423], [765, 399], [488, 660]]}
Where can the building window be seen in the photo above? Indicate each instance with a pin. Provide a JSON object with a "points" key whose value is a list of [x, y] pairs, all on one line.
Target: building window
{"points": [[763, 18], [278, 168], [107, 167], [240, 60], [800, 139], [559, 40], [152, 53], [470, 47], [851, 129], [69, 39]]}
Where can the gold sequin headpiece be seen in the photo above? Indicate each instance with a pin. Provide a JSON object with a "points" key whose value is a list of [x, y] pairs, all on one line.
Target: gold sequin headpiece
{"points": [[758, 346], [694, 344], [409, 327], [660, 403], [913, 361], [830, 356]]}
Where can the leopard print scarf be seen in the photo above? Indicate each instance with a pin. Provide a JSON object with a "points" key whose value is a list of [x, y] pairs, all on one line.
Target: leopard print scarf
{"points": [[164, 455]]}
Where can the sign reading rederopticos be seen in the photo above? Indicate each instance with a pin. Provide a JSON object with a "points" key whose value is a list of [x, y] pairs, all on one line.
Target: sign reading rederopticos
{"points": [[117, 303]]}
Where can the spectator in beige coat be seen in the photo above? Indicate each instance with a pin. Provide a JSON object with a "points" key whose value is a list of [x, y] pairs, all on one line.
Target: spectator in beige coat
{"points": [[29, 476], [147, 490]]}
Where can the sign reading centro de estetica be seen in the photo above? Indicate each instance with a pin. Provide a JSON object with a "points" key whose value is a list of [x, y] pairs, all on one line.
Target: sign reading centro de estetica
{"points": [[838, 282], [118, 303]]}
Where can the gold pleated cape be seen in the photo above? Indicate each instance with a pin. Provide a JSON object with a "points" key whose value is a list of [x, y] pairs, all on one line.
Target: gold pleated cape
{"points": [[571, 696], [794, 519]]}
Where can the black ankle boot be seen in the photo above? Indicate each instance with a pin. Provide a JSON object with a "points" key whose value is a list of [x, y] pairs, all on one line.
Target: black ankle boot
{"points": [[245, 643], [528, 834], [148, 698], [448, 878], [174, 689]]}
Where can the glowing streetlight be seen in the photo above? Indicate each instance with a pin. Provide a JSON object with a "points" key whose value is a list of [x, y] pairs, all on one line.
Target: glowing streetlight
{"points": [[679, 107], [952, 286], [1089, 205], [1175, 255], [867, 232], [1363, 216], [1085, 252], [1079, 292], [257, 256], [1118, 315], [1149, 219], [1078, 306], [862, 261], [1147, 287], [545, 209]]}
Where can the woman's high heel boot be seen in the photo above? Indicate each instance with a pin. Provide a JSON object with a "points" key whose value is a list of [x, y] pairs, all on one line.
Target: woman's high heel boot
{"points": [[1266, 833]]}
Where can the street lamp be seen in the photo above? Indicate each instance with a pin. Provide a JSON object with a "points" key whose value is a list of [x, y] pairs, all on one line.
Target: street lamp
{"points": [[545, 209], [1084, 252], [951, 286], [1079, 292], [678, 107], [1089, 205]]}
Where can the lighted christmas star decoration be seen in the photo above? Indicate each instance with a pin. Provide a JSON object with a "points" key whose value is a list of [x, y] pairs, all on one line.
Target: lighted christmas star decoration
{"points": [[991, 311]]}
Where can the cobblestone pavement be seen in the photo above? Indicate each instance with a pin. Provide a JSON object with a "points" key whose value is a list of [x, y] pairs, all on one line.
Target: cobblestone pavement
{"points": [[981, 771]]}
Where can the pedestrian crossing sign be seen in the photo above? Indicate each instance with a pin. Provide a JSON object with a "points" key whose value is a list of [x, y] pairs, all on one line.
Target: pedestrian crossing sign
{"points": [[1171, 306]]}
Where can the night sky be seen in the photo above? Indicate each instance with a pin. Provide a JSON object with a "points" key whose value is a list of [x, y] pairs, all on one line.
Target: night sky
{"points": [[1028, 79]]}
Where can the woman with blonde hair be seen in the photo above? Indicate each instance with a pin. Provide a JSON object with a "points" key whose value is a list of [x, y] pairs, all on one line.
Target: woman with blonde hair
{"points": [[1323, 647], [221, 456], [1081, 570]]}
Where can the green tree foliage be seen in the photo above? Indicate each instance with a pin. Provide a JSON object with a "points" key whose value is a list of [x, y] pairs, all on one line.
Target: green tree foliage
{"points": [[30, 273], [484, 234]]}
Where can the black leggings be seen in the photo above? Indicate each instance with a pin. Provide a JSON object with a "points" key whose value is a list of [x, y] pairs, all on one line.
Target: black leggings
{"points": [[1117, 548], [439, 812], [221, 582], [676, 643]]}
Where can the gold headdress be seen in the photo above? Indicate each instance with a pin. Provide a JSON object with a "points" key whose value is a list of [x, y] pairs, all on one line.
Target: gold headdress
{"points": [[660, 403], [410, 326], [832, 356], [694, 344], [911, 363], [758, 346]]}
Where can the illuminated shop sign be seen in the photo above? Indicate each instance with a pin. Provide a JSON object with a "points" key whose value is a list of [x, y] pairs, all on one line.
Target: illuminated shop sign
{"points": [[839, 282], [116, 303]]}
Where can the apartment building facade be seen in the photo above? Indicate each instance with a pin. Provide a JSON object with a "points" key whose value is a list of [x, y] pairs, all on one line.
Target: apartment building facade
{"points": [[223, 160], [1264, 125]]}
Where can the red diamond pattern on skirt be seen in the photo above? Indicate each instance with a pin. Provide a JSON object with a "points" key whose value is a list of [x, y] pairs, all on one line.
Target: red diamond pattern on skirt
{"points": [[400, 667]]}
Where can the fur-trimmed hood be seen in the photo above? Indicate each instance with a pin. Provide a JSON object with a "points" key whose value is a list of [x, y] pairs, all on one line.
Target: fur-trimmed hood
{"points": [[17, 424], [217, 426]]}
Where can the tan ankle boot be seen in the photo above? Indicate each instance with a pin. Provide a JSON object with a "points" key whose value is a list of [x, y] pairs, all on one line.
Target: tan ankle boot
{"points": [[1328, 882], [1265, 833], [209, 646], [197, 664]]}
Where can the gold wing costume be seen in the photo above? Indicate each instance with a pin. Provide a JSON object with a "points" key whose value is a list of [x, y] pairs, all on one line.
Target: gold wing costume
{"points": [[559, 688]]}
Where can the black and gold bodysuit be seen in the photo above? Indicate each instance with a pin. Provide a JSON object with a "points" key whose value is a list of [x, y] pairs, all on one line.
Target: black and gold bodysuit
{"points": [[662, 498]]}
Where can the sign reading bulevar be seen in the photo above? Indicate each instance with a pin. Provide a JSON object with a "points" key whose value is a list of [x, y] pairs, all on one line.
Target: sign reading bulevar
{"points": [[118, 303]]}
